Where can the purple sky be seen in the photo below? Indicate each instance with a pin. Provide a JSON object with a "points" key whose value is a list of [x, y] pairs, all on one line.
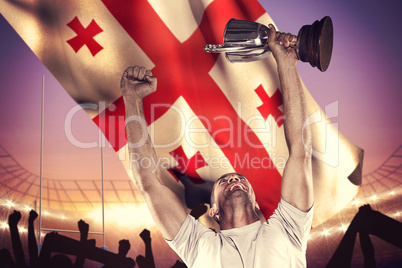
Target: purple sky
{"points": [[364, 77]]}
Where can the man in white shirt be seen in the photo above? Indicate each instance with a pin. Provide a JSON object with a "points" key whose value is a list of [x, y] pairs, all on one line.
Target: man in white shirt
{"points": [[243, 240]]}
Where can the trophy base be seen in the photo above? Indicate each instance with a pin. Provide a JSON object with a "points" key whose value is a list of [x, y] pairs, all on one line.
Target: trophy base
{"points": [[315, 43]]}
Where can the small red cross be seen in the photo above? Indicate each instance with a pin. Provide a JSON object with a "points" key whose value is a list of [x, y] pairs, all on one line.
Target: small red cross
{"points": [[85, 36], [270, 105], [189, 166]]}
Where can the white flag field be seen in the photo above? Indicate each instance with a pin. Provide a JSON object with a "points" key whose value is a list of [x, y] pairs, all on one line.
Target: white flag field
{"points": [[208, 116]]}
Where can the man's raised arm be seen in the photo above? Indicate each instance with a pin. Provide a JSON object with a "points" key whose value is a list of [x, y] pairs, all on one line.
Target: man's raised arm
{"points": [[297, 182], [166, 208]]}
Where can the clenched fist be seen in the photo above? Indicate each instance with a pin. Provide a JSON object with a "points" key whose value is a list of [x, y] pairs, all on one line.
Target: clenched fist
{"points": [[279, 44], [137, 82], [32, 215], [145, 235], [83, 227], [14, 218]]}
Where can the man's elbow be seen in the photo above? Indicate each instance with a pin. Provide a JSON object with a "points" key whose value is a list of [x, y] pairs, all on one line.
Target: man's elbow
{"points": [[144, 187], [144, 184], [301, 152]]}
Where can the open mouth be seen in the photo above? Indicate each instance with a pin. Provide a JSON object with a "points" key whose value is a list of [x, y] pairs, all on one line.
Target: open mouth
{"points": [[237, 186]]}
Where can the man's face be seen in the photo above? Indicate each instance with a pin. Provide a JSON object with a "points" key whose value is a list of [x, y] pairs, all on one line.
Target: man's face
{"points": [[232, 185]]}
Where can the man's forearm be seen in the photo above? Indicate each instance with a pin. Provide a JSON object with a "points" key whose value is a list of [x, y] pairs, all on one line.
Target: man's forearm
{"points": [[32, 245], [140, 144], [17, 246], [149, 256], [297, 136]]}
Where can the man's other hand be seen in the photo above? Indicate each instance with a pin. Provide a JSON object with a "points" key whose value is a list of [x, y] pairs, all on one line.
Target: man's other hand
{"points": [[137, 82], [279, 44]]}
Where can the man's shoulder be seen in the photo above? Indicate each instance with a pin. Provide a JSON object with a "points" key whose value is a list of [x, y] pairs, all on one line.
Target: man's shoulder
{"points": [[193, 228], [293, 223], [286, 209]]}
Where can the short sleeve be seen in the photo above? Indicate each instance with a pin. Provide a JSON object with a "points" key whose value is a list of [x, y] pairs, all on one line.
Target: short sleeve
{"points": [[295, 223], [186, 241]]}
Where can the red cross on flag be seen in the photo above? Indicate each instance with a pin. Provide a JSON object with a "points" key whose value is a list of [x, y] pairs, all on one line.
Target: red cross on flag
{"points": [[208, 116]]}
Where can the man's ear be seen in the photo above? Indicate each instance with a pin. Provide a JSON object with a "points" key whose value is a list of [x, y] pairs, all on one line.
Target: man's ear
{"points": [[257, 206], [213, 211]]}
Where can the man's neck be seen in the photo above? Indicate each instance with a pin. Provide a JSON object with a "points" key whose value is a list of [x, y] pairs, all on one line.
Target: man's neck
{"points": [[235, 217]]}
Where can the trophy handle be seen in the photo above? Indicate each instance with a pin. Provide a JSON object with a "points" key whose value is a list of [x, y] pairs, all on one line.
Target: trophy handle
{"points": [[225, 48]]}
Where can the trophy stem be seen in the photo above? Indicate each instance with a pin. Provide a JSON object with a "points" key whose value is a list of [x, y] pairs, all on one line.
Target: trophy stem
{"points": [[293, 43]]}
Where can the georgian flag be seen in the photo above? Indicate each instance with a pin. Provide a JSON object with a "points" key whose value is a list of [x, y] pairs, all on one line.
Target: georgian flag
{"points": [[208, 116]]}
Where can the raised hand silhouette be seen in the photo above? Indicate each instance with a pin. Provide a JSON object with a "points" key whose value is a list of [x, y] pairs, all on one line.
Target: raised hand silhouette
{"points": [[13, 221], [366, 222]]}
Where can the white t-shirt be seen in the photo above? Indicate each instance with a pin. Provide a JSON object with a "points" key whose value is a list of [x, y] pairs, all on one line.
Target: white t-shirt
{"points": [[279, 242]]}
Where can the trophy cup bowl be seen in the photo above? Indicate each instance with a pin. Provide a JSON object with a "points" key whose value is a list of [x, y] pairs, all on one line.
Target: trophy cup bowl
{"points": [[246, 41]]}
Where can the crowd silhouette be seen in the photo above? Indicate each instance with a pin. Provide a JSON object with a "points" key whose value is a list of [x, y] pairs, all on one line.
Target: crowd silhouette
{"points": [[366, 222], [57, 249]]}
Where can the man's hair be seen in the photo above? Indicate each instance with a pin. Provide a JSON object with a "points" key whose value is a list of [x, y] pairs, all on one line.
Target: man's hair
{"points": [[212, 200]]}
